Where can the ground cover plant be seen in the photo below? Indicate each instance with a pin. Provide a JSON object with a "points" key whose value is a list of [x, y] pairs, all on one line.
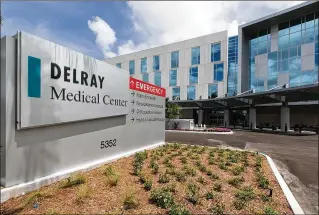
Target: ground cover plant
{"points": [[171, 179]]}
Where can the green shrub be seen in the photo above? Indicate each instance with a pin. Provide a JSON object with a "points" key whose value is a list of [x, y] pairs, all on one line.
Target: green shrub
{"points": [[109, 171], [202, 168], [166, 160], [74, 179], [201, 180], [210, 195], [140, 156], [137, 167], [235, 181], [189, 170], [246, 194], [262, 181], [270, 211], [218, 209], [142, 178], [239, 204], [148, 184], [162, 198], [258, 161], [222, 166], [211, 161], [209, 172], [237, 170], [178, 210], [180, 176], [193, 193], [163, 178], [170, 188], [217, 187], [212, 153], [130, 201], [113, 179], [265, 198], [184, 160], [195, 157], [214, 176], [198, 163], [82, 193], [155, 168], [32, 198], [170, 171], [176, 145]]}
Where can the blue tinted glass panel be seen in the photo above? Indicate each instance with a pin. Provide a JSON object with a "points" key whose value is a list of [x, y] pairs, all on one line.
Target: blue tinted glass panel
{"points": [[132, 67], [262, 48], [283, 42], [191, 92], [118, 65], [254, 50], [271, 82], [173, 77], [317, 60], [272, 57], [156, 62], [215, 55], [252, 61], [295, 25], [316, 33], [293, 52], [317, 47], [195, 56], [218, 72], [294, 65], [175, 93], [144, 65], [145, 77], [307, 77], [273, 69], [283, 29], [295, 39], [284, 54], [310, 20], [157, 78], [174, 59], [193, 75], [294, 79], [212, 91], [309, 35], [284, 66], [260, 85]]}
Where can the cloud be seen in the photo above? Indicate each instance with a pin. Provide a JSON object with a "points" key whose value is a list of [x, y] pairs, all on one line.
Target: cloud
{"points": [[164, 22], [105, 35]]}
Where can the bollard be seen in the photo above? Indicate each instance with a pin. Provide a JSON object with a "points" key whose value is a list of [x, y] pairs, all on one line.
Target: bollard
{"points": [[225, 124], [251, 125], [286, 127]]}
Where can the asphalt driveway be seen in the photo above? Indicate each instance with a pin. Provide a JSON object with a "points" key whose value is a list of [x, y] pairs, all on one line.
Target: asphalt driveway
{"points": [[295, 156]]}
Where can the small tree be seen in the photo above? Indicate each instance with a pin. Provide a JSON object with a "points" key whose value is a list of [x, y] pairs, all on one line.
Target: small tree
{"points": [[172, 110]]}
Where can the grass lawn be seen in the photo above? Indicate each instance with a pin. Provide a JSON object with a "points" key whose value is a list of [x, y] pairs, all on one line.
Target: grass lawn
{"points": [[172, 179]]}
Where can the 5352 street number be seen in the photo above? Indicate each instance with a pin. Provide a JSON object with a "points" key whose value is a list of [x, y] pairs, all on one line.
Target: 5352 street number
{"points": [[108, 143]]}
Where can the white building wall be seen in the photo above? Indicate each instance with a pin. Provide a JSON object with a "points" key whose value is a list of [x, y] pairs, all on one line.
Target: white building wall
{"points": [[205, 68]]}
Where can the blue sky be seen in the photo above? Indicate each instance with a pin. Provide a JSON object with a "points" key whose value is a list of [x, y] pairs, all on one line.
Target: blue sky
{"points": [[106, 29]]}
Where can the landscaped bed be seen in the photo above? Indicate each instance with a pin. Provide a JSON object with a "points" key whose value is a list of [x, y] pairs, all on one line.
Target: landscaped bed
{"points": [[174, 179], [204, 130]]}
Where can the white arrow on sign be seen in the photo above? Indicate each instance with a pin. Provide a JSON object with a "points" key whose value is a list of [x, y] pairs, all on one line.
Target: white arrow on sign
{"points": [[131, 82]]}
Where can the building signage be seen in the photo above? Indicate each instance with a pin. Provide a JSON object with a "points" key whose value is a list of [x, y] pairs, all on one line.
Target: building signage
{"points": [[60, 85]]}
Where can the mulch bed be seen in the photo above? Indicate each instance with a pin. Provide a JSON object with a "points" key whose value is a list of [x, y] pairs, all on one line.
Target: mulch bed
{"points": [[106, 199]]}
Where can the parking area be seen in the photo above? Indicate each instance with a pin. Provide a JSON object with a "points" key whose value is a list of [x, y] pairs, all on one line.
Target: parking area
{"points": [[295, 156]]}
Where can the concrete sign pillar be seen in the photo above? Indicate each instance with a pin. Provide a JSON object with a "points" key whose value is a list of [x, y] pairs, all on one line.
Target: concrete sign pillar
{"points": [[252, 118], [285, 119], [226, 118]]}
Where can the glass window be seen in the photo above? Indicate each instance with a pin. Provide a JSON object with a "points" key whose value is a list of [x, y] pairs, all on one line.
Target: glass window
{"points": [[293, 52], [295, 25], [132, 67], [307, 77], [118, 65], [272, 57], [263, 35], [252, 61], [144, 65], [176, 93], [145, 77], [193, 75], [174, 59], [262, 47], [191, 92], [219, 72], [284, 66], [271, 82], [215, 52], [294, 79], [316, 33], [273, 68], [283, 28], [195, 56], [317, 47], [317, 18], [294, 65], [156, 62], [284, 54], [212, 91], [157, 78], [173, 77], [260, 85], [316, 61], [310, 20], [254, 50], [309, 35], [283, 42], [295, 39]]}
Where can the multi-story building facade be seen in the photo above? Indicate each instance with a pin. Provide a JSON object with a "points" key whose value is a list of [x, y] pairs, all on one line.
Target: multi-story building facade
{"points": [[278, 51], [189, 70]]}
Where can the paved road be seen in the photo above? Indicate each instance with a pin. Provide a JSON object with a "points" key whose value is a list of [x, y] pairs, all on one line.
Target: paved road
{"points": [[295, 156]]}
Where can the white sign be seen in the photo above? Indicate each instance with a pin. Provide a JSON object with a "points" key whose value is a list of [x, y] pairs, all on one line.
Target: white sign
{"points": [[59, 85]]}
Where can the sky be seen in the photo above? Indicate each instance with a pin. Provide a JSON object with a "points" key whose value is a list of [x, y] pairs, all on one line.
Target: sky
{"points": [[104, 29]]}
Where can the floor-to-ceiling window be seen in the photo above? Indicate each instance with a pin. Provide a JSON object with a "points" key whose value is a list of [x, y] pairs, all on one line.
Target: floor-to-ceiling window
{"points": [[215, 54], [157, 78], [144, 65], [218, 72], [175, 93], [132, 67], [173, 77], [156, 63], [145, 77], [174, 59], [195, 56], [212, 91], [191, 92], [232, 65], [193, 75]]}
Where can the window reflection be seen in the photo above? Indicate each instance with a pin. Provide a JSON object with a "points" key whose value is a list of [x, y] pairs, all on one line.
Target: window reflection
{"points": [[176, 93], [191, 92], [195, 56], [144, 65], [193, 75], [173, 77], [145, 77], [157, 78], [132, 67]]}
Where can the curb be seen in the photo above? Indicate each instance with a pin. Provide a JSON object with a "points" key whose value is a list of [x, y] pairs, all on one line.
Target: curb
{"points": [[21, 189], [200, 132], [290, 197]]}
